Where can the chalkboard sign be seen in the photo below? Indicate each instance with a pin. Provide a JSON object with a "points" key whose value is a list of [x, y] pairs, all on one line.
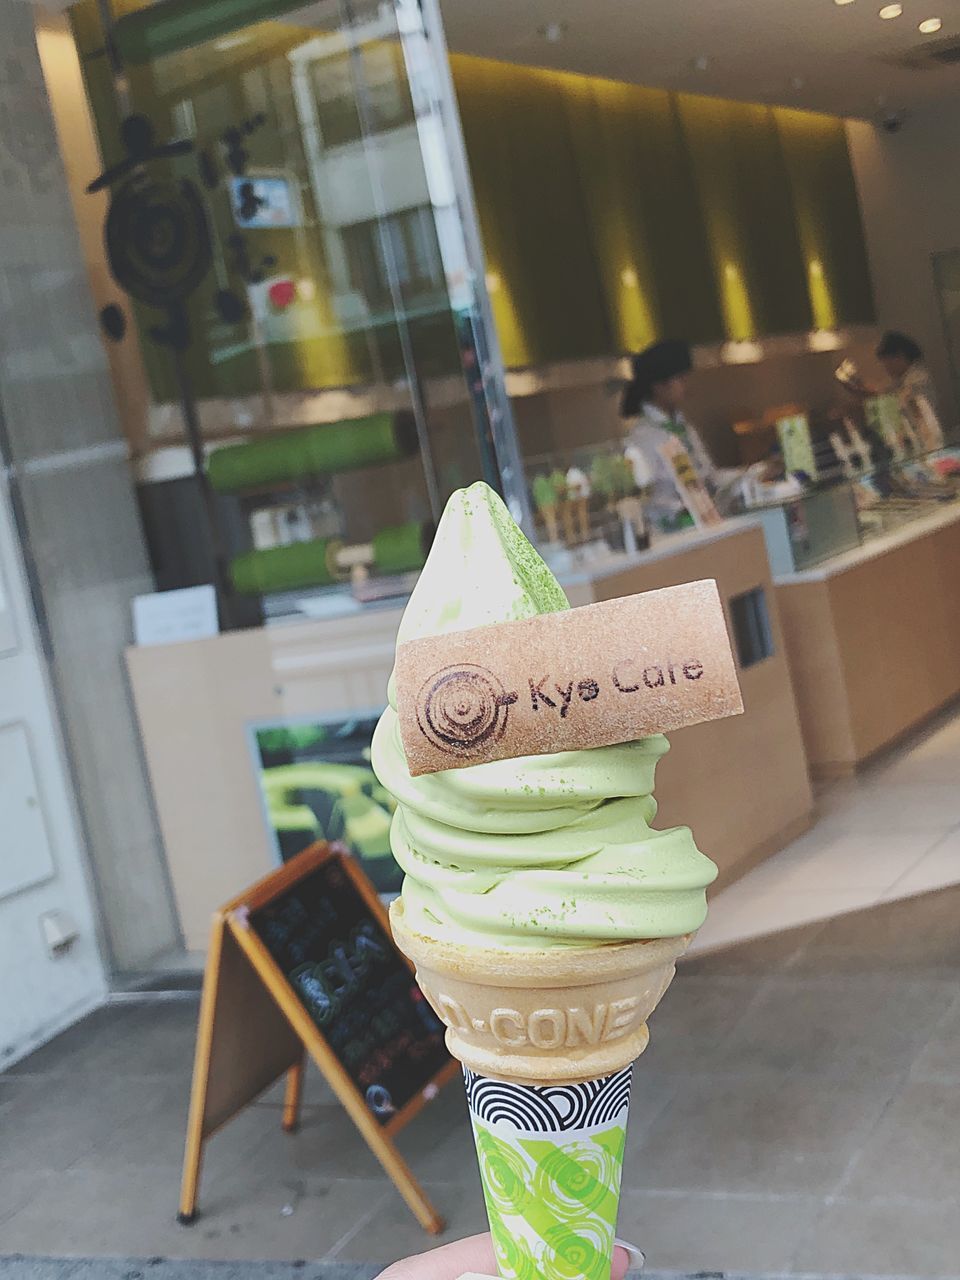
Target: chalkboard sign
{"points": [[304, 963], [356, 987]]}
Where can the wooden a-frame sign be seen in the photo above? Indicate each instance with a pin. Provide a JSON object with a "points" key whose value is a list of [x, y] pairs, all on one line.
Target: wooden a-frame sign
{"points": [[258, 1019]]}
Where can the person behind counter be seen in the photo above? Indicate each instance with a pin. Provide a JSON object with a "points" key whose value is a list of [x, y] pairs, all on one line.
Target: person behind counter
{"points": [[902, 358], [653, 400]]}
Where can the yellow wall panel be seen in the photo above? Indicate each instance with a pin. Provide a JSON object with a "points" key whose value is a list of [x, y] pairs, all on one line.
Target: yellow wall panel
{"points": [[828, 217], [697, 217]]}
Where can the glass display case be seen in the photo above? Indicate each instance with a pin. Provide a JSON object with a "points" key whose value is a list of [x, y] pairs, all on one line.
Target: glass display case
{"points": [[595, 503], [588, 504], [888, 498], [814, 526], [806, 530]]}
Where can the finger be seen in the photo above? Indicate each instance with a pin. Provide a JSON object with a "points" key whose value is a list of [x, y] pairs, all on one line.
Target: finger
{"points": [[626, 1257], [475, 1254], [449, 1262]]}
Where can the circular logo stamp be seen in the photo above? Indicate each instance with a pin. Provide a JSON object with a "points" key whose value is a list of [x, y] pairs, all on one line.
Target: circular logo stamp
{"points": [[463, 708]]}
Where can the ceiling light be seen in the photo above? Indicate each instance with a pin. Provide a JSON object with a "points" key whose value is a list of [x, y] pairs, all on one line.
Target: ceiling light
{"points": [[745, 352], [553, 31], [843, 1], [797, 82], [702, 63], [891, 11], [930, 26]]}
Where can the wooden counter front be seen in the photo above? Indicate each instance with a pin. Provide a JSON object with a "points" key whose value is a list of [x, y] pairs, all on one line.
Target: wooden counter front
{"points": [[873, 639], [741, 784], [195, 703]]}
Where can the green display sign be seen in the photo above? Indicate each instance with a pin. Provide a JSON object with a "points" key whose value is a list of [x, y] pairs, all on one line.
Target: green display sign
{"points": [[797, 446]]}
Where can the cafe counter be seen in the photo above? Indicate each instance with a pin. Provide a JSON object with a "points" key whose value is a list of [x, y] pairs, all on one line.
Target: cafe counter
{"points": [[873, 639], [741, 784]]}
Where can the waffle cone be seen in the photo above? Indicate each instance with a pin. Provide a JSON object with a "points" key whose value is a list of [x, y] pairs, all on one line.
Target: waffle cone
{"points": [[552, 1017]]}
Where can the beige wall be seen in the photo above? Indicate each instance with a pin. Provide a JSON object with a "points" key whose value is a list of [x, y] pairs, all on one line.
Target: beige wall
{"points": [[909, 184]]}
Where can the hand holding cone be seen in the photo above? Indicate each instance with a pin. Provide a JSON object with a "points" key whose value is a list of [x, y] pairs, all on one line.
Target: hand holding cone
{"points": [[548, 1040], [544, 916]]}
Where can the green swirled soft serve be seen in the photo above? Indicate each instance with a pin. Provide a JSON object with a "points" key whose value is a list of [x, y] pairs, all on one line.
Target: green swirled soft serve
{"points": [[543, 851]]}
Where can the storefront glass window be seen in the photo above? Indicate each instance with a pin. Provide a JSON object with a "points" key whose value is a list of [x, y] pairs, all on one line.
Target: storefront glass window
{"points": [[253, 350], [286, 222]]}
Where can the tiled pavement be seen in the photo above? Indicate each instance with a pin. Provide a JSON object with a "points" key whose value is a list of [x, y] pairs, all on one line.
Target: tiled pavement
{"points": [[797, 1110], [891, 832]]}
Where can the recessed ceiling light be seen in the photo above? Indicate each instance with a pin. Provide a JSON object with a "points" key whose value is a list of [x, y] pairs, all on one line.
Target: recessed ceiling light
{"points": [[843, 1], [930, 26], [702, 63], [797, 82], [891, 11], [553, 31]]}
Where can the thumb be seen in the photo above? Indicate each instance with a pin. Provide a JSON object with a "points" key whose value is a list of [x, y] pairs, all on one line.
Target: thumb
{"points": [[475, 1254], [449, 1262]]}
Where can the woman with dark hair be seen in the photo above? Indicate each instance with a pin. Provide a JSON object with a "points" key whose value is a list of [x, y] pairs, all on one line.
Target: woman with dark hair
{"points": [[653, 402], [902, 358], [898, 353]]}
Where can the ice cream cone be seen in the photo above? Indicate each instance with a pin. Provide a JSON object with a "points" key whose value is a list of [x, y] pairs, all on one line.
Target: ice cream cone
{"points": [[528, 883], [549, 513], [547, 1039], [562, 1015], [566, 514], [583, 518]]}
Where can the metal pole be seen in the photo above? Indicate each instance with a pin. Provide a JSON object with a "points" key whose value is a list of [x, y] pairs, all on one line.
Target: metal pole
{"points": [[417, 396], [500, 416], [194, 434]]}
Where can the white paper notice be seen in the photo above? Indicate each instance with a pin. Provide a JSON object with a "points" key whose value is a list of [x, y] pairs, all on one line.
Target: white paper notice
{"points": [[170, 617]]}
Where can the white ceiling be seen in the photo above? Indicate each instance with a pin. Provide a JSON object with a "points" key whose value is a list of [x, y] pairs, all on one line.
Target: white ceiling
{"points": [[805, 53]]}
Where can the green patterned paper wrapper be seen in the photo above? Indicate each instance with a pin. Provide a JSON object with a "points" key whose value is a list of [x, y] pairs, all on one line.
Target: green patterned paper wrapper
{"points": [[551, 1160]]}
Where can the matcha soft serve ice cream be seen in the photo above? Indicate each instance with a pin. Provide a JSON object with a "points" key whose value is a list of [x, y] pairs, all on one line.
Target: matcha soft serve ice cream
{"points": [[544, 916], [538, 852]]}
